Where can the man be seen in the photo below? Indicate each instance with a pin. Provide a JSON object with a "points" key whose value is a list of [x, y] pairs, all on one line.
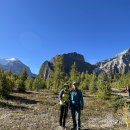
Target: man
{"points": [[64, 98], [76, 105]]}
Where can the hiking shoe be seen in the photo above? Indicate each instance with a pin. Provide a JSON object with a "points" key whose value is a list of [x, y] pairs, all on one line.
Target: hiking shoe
{"points": [[60, 127], [64, 128]]}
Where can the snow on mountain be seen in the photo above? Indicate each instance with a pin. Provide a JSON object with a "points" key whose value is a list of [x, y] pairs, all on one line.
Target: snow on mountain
{"points": [[7, 61], [14, 65]]}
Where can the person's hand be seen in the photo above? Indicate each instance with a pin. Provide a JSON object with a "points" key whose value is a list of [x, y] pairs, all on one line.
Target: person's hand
{"points": [[65, 102]]}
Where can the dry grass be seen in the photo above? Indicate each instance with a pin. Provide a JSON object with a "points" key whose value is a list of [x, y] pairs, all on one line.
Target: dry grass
{"points": [[40, 111]]}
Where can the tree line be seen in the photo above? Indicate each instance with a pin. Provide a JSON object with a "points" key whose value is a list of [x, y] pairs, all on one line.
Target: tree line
{"points": [[100, 84]]}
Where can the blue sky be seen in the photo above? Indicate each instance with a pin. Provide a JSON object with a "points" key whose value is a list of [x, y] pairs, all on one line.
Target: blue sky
{"points": [[36, 30]]}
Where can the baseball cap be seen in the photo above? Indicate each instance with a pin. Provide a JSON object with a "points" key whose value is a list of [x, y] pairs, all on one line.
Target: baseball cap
{"points": [[75, 83]]}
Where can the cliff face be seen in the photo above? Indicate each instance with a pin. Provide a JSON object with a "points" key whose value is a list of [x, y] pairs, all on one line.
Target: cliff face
{"points": [[68, 60], [118, 64], [82, 66], [45, 69]]}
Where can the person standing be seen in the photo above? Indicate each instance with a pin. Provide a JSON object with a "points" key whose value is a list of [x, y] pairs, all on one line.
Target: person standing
{"points": [[76, 105], [64, 99]]}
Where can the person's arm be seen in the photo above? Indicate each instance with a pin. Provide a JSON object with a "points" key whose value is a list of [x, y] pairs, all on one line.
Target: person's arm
{"points": [[82, 101], [69, 101], [60, 95]]}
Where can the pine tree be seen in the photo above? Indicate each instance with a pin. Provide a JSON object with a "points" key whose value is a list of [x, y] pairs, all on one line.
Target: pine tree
{"points": [[58, 74], [4, 86], [20, 85], [74, 74], [93, 85], [104, 88], [29, 83], [39, 83], [86, 82], [24, 74], [82, 77]]}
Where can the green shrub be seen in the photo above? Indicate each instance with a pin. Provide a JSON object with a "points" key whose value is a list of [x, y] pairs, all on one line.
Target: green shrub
{"points": [[39, 84], [104, 88], [117, 102], [4, 86], [20, 85], [29, 83]]}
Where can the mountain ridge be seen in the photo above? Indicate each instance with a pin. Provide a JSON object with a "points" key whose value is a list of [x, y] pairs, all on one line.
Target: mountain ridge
{"points": [[119, 64], [15, 66]]}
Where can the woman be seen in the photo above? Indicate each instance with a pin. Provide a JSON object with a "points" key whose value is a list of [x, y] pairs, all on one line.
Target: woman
{"points": [[64, 98]]}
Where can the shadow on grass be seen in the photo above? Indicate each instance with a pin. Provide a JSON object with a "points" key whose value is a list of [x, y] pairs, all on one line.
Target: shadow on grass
{"points": [[12, 107], [21, 99], [80, 129], [26, 92]]}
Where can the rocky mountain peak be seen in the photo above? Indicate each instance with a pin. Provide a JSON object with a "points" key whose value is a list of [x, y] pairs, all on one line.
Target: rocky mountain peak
{"points": [[68, 60], [118, 64], [125, 52], [15, 66]]}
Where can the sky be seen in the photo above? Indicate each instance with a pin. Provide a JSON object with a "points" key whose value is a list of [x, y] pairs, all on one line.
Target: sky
{"points": [[36, 30]]}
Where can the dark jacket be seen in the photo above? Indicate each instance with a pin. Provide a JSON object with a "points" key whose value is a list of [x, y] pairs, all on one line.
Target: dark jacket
{"points": [[76, 98]]}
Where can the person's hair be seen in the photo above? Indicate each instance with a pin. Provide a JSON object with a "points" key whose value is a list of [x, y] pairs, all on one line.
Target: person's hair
{"points": [[66, 85]]}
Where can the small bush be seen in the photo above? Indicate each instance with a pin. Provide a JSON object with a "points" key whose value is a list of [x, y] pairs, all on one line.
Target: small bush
{"points": [[4, 86], [29, 83], [20, 85], [38, 84], [117, 102]]}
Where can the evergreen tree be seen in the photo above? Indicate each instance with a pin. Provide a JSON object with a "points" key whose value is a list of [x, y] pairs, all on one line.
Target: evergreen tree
{"points": [[38, 84], [93, 85], [24, 74], [74, 74], [82, 77], [4, 86], [104, 88], [49, 81], [29, 83], [20, 85], [86, 82], [58, 74]]}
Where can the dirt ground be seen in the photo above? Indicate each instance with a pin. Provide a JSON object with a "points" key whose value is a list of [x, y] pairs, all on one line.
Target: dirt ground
{"points": [[40, 111]]}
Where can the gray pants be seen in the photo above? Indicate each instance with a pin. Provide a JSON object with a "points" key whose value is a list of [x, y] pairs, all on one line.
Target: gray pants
{"points": [[76, 112]]}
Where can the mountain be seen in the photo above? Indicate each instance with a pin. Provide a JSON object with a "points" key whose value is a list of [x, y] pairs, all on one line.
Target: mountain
{"points": [[118, 64], [46, 69], [15, 66], [68, 61]]}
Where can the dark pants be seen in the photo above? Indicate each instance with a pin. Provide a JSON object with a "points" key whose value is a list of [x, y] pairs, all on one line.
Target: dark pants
{"points": [[63, 115], [76, 112]]}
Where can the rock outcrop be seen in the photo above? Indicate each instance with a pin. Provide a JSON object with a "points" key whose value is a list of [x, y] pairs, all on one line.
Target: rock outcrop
{"points": [[120, 64], [68, 61]]}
